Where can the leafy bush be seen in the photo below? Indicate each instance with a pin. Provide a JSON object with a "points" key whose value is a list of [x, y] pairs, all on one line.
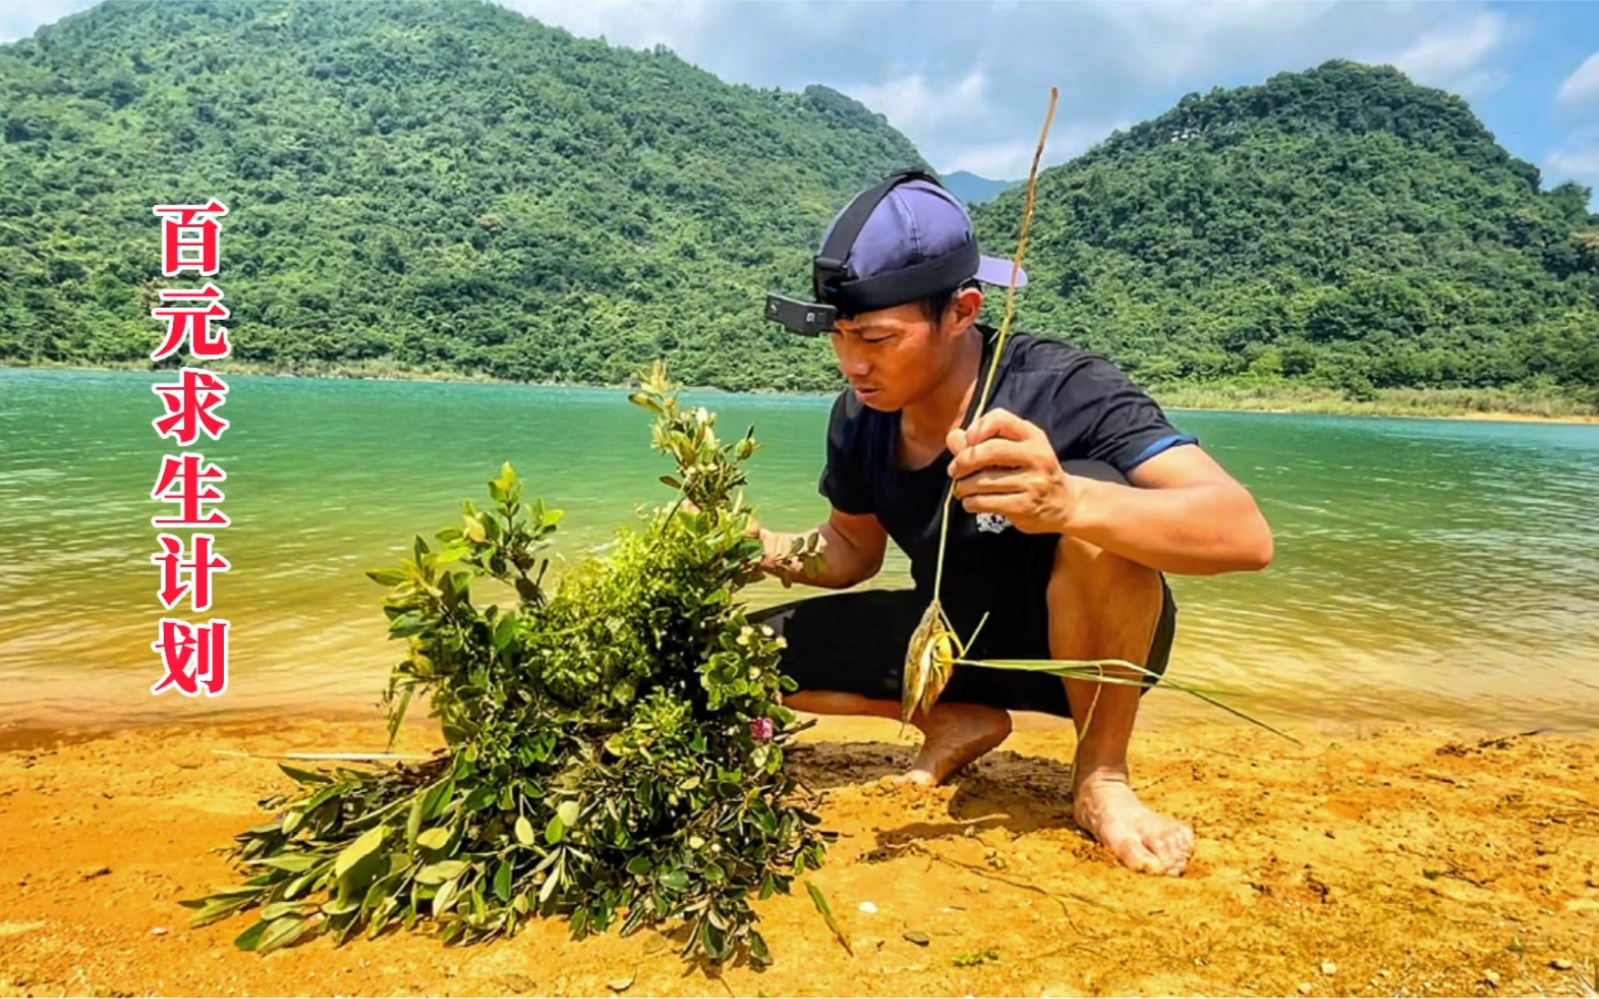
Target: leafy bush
{"points": [[615, 743]]}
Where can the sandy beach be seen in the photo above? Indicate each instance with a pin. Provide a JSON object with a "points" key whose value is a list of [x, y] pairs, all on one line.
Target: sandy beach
{"points": [[1403, 861]]}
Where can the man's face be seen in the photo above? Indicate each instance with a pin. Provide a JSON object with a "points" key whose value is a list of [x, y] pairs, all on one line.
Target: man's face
{"points": [[893, 357]]}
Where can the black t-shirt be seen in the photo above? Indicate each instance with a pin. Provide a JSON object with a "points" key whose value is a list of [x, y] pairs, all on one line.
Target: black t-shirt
{"points": [[1088, 408]]}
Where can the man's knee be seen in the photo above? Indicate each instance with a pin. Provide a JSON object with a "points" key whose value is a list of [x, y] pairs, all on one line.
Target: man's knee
{"points": [[1088, 569], [1085, 574], [1102, 605]]}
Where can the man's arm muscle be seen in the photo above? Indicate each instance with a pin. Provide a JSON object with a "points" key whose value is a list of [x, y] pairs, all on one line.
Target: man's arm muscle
{"points": [[852, 549], [1182, 513]]}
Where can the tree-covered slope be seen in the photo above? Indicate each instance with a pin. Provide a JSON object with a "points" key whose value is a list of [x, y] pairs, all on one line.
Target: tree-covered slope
{"points": [[1341, 226], [975, 190], [430, 183]]}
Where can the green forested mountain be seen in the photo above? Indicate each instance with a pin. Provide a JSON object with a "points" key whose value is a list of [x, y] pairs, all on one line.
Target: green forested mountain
{"points": [[449, 185], [975, 190], [1341, 226], [427, 183]]}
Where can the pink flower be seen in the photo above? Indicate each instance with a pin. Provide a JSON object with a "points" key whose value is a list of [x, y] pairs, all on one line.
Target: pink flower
{"points": [[762, 729]]}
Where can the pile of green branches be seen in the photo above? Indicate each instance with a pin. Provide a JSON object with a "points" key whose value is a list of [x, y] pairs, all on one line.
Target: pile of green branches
{"points": [[615, 740]]}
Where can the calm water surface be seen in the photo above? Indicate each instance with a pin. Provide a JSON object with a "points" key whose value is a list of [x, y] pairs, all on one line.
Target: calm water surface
{"points": [[1426, 570]]}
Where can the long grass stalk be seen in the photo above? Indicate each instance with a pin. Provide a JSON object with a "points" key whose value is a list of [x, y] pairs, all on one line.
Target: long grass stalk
{"points": [[1004, 326], [935, 649]]}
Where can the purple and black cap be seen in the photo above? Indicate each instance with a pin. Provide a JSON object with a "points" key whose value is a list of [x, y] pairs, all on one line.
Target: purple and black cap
{"points": [[907, 238]]}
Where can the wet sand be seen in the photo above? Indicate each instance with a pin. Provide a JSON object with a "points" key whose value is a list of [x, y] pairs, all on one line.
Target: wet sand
{"points": [[1402, 861]]}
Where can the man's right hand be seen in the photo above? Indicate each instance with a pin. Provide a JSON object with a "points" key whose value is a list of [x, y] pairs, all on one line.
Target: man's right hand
{"points": [[850, 549]]}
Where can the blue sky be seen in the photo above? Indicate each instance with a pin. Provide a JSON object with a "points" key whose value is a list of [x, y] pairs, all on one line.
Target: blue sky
{"points": [[968, 81]]}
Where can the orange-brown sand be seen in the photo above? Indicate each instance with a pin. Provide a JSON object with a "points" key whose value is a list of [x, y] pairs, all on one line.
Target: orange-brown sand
{"points": [[1397, 862]]}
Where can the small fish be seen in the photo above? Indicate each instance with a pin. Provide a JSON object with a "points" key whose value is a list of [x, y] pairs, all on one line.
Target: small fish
{"points": [[929, 662]]}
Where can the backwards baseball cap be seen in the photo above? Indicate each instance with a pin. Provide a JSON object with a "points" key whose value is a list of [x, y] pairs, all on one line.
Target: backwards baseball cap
{"points": [[905, 239]]}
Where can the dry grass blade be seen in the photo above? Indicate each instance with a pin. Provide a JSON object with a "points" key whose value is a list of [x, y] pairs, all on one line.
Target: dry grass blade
{"points": [[1094, 669], [820, 901]]}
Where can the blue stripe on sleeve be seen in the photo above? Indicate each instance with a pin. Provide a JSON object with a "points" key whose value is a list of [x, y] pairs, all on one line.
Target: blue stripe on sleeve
{"points": [[1159, 446]]}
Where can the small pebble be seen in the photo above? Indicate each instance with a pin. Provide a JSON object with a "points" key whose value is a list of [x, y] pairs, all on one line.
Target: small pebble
{"points": [[1304, 988], [1491, 977], [868, 907], [1384, 973], [1329, 968], [159, 931], [1560, 964]]}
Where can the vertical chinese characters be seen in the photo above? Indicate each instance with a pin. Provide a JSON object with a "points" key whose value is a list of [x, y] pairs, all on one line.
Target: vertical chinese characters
{"points": [[194, 657]]}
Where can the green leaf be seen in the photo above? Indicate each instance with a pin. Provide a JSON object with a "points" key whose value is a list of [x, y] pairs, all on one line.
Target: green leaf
{"points": [[441, 901], [758, 952], [502, 882], [444, 870], [551, 882], [293, 862], [555, 830], [413, 822], [675, 880], [568, 812], [639, 864], [280, 933], [436, 838], [277, 910], [352, 854], [386, 577], [438, 799], [524, 831], [305, 776], [250, 939]]}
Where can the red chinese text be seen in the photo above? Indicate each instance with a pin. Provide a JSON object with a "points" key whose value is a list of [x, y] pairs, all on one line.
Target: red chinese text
{"points": [[184, 482], [193, 326], [191, 405], [195, 657], [198, 569], [199, 251]]}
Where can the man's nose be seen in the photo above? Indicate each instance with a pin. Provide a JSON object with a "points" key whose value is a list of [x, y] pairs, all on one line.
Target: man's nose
{"points": [[853, 363]]}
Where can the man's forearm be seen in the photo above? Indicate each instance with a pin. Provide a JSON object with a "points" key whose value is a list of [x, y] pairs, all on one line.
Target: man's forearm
{"points": [[842, 564], [1201, 529]]}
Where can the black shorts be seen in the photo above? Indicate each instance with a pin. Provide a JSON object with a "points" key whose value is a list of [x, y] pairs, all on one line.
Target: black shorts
{"points": [[855, 643]]}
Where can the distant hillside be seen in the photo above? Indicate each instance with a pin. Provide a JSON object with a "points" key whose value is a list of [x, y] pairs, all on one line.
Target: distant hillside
{"points": [[419, 183], [1340, 226], [449, 185], [975, 190]]}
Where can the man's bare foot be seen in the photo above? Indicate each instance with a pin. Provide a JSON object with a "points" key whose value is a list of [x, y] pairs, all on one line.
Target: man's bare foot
{"points": [[1104, 804], [955, 735]]}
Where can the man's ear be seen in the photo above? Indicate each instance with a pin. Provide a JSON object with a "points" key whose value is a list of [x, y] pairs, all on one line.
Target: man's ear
{"points": [[964, 309]]}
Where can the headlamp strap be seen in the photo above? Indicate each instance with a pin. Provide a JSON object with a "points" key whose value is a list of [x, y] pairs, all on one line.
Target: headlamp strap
{"points": [[828, 269]]}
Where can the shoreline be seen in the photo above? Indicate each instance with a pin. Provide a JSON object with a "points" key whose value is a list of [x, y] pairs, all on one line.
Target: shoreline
{"points": [[1404, 860], [1419, 404]]}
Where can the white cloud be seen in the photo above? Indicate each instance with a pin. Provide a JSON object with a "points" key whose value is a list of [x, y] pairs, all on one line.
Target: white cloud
{"points": [[911, 104], [1581, 85], [21, 18], [967, 82], [1576, 158], [1577, 164], [1569, 162], [1012, 160], [1452, 56]]}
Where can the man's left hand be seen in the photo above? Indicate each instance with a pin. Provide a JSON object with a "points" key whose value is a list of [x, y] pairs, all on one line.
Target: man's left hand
{"points": [[1006, 465]]}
